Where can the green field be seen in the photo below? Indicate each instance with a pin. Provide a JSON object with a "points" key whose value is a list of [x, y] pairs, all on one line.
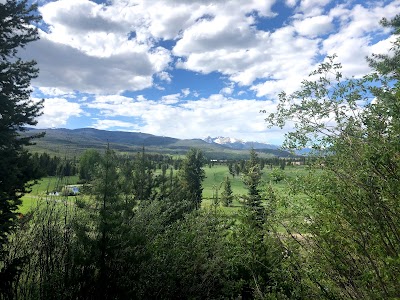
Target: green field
{"points": [[213, 181], [41, 191], [216, 175]]}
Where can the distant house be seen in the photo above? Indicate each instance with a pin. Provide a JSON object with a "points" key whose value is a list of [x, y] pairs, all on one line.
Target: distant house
{"points": [[71, 190]]}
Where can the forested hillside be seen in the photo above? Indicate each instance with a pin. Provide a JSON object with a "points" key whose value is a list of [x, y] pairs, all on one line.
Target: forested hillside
{"points": [[74, 142]]}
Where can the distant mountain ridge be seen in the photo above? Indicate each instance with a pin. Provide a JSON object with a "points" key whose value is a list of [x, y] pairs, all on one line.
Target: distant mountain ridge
{"points": [[72, 142], [238, 144]]}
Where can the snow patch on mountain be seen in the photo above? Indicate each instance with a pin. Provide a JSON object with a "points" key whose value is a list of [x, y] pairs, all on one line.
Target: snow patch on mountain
{"points": [[223, 140], [235, 143]]}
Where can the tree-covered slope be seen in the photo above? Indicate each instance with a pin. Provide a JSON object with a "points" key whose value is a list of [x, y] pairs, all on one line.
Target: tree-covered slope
{"points": [[72, 142]]}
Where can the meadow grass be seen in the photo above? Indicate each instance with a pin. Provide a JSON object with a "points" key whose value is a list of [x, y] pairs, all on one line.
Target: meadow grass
{"points": [[217, 174], [215, 177], [41, 190]]}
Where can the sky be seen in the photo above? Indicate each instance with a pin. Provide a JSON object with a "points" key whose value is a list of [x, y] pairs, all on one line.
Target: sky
{"points": [[192, 68]]}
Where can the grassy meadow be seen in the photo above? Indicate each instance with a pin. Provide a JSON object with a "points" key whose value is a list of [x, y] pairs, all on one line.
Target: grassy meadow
{"points": [[213, 181], [42, 189]]}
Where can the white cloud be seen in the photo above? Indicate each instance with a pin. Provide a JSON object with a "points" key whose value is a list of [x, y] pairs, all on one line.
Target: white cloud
{"points": [[291, 3], [90, 41], [105, 50], [165, 76], [86, 48], [185, 92], [63, 67], [221, 32], [107, 124], [354, 39], [53, 91], [141, 98], [57, 111], [227, 90], [215, 115], [171, 99], [311, 8], [314, 26]]}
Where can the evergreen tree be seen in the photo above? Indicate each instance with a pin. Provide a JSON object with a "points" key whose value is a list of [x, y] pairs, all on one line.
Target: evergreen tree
{"points": [[17, 110], [231, 169], [191, 175], [142, 176], [227, 194], [104, 237], [252, 178]]}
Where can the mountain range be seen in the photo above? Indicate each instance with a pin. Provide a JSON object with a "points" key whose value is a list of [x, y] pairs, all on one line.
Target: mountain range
{"points": [[238, 144], [72, 142]]}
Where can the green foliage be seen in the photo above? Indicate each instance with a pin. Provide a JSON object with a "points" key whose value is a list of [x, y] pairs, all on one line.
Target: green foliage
{"points": [[191, 176], [277, 175], [17, 110], [88, 163], [192, 258], [252, 179], [142, 177], [227, 194], [352, 234], [105, 244]]}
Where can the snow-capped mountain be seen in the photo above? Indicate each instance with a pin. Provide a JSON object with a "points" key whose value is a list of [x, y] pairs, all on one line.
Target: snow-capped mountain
{"points": [[238, 144]]}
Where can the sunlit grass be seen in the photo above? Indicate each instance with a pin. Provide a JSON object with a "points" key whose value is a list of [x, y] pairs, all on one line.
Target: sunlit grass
{"points": [[42, 189]]}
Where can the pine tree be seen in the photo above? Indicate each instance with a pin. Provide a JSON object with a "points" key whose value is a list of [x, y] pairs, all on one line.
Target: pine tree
{"points": [[252, 178], [142, 176], [227, 194], [191, 176], [104, 236], [16, 111]]}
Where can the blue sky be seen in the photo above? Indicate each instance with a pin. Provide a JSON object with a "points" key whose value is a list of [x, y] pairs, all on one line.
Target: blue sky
{"points": [[192, 68]]}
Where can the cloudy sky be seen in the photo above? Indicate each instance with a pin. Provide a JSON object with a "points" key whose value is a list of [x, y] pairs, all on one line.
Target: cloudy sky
{"points": [[192, 68]]}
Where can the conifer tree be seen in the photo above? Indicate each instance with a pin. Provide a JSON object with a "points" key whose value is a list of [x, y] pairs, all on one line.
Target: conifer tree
{"points": [[227, 194], [17, 110], [252, 178], [191, 176]]}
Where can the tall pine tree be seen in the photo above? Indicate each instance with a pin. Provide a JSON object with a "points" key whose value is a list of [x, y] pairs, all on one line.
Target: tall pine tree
{"points": [[252, 178], [191, 175], [16, 111]]}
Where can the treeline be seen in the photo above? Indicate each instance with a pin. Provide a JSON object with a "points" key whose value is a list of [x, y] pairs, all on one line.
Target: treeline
{"points": [[54, 166], [47, 165], [83, 166]]}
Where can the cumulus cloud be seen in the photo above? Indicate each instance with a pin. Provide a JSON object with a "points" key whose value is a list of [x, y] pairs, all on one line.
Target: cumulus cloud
{"points": [[185, 92], [87, 48], [165, 76], [109, 50], [53, 91], [215, 115], [354, 39], [291, 3], [311, 8], [314, 26], [171, 99], [64, 67], [57, 111], [115, 124]]}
